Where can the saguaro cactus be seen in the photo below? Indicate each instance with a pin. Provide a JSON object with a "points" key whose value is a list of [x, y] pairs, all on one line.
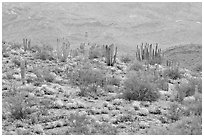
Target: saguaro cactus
{"points": [[110, 55], [23, 70]]}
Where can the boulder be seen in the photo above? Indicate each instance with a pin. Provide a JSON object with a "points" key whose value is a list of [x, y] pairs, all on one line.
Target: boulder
{"points": [[59, 103], [143, 112], [136, 105], [49, 90], [38, 129], [144, 124]]}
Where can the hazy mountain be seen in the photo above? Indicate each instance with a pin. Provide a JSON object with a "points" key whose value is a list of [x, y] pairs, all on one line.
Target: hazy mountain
{"points": [[125, 24]]}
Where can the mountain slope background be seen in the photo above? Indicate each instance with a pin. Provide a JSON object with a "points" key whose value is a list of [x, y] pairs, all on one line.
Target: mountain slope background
{"points": [[125, 24]]}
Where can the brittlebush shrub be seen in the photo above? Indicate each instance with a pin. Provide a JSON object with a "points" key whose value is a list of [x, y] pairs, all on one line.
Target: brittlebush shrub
{"points": [[87, 78], [80, 124], [126, 58], [136, 66], [140, 87], [172, 73]]}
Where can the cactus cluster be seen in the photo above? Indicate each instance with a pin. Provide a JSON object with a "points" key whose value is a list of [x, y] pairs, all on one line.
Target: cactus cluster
{"points": [[110, 54], [148, 52], [26, 44], [63, 49]]}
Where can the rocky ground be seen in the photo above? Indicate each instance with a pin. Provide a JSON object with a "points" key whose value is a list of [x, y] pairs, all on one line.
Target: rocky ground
{"points": [[55, 106]]}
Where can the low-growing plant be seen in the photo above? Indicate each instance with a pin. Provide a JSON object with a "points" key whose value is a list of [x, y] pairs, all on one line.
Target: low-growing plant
{"points": [[162, 83], [136, 66], [173, 73], [16, 46], [175, 112], [16, 61], [113, 80], [184, 126], [79, 124], [95, 53], [19, 105], [139, 87], [87, 78], [157, 60], [126, 58], [196, 81]]}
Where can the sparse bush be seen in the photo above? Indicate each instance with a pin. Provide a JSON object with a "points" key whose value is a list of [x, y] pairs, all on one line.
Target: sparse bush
{"points": [[162, 83], [16, 46], [185, 90], [88, 79], [19, 105], [139, 87], [172, 73], [157, 60], [185, 126], [175, 112], [126, 58], [95, 53], [196, 81], [48, 76], [114, 80], [136, 66], [79, 124], [44, 55], [16, 61]]}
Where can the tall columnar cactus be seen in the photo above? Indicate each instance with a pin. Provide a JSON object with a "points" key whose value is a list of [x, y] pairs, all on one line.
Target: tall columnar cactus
{"points": [[23, 70], [26, 44], [111, 55], [147, 52]]}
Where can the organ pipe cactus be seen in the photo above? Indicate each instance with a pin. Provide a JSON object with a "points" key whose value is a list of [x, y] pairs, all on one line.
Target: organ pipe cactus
{"points": [[110, 55], [26, 44], [147, 52]]}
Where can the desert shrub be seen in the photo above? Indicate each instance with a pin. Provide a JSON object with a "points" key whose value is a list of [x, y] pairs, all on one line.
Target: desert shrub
{"points": [[175, 112], [80, 124], [113, 80], [162, 83], [19, 106], [44, 55], [16, 61], [43, 74], [9, 75], [136, 66], [47, 75], [87, 78], [16, 46], [157, 60], [126, 58], [196, 81], [95, 53], [185, 126], [139, 87], [172, 73]]}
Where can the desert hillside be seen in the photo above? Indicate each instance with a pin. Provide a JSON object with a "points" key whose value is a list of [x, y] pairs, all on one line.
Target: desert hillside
{"points": [[124, 24], [189, 56], [102, 69]]}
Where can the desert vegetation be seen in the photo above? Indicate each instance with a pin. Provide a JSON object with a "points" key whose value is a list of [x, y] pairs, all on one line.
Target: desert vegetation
{"points": [[91, 90]]}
